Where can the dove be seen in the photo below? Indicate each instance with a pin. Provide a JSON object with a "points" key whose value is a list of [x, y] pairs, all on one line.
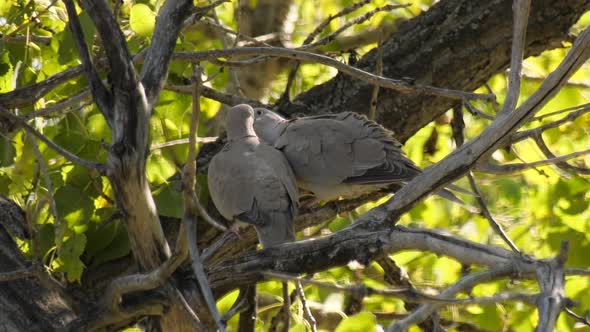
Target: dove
{"points": [[339, 155], [251, 182]]}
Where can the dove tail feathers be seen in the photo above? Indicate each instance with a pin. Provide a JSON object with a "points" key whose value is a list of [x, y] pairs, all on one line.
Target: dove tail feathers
{"points": [[278, 229]]}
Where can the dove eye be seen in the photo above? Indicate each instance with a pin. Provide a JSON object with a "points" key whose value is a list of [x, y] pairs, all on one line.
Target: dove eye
{"points": [[258, 112]]}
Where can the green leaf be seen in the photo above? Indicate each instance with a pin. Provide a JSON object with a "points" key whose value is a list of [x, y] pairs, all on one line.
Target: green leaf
{"points": [[73, 206], [364, 321], [338, 223], [7, 152], [142, 20], [69, 255], [98, 128], [169, 200], [63, 42], [5, 70], [117, 248]]}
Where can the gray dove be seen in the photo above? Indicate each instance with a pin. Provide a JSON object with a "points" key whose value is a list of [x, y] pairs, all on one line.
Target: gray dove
{"points": [[339, 155], [251, 182]]}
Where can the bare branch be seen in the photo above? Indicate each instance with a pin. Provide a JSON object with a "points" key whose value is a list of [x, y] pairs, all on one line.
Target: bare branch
{"points": [[360, 242], [461, 160], [157, 60], [11, 39], [552, 301], [81, 97], [350, 23], [27, 95], [181, 141], [407, 294], [299, 55], [521, 9], [522, 135], [513, 168], [123, 76], [48, 184], [330, 18], [467, 282], [102, 96], [222, 97], [28, 272], [488, 215], [63, 152], [190, 200], [375, 94]]}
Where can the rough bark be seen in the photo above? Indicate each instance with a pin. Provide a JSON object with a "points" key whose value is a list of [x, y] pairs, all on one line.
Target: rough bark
{"points": [[456, 44], [25, 304]]}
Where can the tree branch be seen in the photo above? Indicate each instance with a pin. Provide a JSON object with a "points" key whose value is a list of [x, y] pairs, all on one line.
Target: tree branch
{"points": [[61, 151], [384, 82], [461, 160], [457, 44], [552, 301], [155, 67], [102, 97]]}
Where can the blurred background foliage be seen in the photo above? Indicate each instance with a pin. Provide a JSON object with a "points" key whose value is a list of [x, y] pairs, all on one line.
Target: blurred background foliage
{"points": [[538, 208]]}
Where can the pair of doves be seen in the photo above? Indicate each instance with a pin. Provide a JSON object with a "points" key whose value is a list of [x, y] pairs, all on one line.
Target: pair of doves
{"points": [[254, 178]]}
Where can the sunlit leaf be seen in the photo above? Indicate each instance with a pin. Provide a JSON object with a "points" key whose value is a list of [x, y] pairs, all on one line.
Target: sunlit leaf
{"points": [[142, 20], [363, 321]]}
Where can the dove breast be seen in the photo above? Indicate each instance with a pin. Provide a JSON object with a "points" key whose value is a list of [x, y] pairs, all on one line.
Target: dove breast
{"points": [[252, 182]]}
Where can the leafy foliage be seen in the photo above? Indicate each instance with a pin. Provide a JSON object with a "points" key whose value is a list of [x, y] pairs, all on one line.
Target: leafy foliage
{"points": [[538, 207]]}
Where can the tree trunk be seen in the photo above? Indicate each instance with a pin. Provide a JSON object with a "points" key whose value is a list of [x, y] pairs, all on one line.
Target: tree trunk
{"points": [[456, 44]]}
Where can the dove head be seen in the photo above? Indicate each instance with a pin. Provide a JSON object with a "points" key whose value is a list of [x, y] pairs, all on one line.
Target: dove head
{"points": [[268, 124], [239, 122]]}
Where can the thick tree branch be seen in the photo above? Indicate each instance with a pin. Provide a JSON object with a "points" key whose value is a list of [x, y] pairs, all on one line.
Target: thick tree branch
{"points": [[102, 97], [461, 160], [552, 301], [362, 244], [155, 67], [457, 44]]}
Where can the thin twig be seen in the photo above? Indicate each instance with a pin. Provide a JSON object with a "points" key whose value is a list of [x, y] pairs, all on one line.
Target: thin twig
{"points": [[32, 20], [49, 185], [181, 141], [330, 18], [522, 135], [474, 111], [83, 98], [413, 295], [521, 9], [28, 272], [561, 164], [379, 71], [225, 43], [512, 168], [285, 97], [286, 307], [350, 23], [576, 317], [306, 311], [219, 26], [488, 215], [190, 199], [384, 82], [63, 152], [466, 282], [222, 97]]}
